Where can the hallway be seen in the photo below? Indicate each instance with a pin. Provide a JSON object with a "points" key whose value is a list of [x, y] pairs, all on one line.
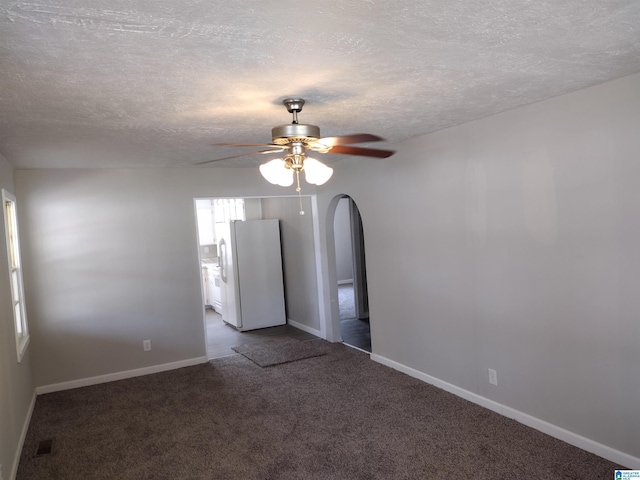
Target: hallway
{"points": [[355, 332]]}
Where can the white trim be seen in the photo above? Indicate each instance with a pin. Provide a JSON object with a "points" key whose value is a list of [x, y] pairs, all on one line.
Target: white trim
{"points": [[305, 328], [467, 395], [574, 439], [111, 377], [317, 244], [23, 436], [345, 282]]}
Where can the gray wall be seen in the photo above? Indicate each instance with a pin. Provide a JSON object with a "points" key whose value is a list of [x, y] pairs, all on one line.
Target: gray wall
{"points": [[253, 208], [516, 247], [111, 260], [16, 383], [344, 248], [298, 248]]}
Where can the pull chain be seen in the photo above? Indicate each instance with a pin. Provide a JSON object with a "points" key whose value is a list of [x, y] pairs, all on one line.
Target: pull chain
{"points": [[298, 189]]}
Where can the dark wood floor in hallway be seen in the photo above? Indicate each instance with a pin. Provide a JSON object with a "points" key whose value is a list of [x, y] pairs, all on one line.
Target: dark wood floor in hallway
{"points": [[355, 331]]}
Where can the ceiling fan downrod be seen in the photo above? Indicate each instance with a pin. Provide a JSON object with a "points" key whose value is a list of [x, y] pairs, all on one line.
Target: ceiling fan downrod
{"points": [[294, 105]]}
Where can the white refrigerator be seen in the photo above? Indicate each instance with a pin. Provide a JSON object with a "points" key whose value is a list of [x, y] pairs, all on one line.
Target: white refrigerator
{"points": [[252, 284]]}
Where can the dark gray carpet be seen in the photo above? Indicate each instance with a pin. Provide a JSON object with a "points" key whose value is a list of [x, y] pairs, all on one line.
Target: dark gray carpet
{"points": [[336, 416], [279, 351]]}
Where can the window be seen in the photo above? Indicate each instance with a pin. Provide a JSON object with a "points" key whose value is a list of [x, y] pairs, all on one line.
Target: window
{"points": [[211, 211], [226, 209], [204, 215], [15, 273]]}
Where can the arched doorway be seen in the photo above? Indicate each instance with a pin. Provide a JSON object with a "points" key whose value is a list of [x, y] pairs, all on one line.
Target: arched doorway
{"points": [[351, 275]]}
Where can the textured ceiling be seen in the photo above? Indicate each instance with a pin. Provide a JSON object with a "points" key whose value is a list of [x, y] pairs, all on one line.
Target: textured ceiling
{"points": [[126, 83]]}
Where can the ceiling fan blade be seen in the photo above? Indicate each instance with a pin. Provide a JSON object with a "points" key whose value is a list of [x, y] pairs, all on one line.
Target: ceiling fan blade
{"points": [[349, 139], [364, 152], [238, 156]]}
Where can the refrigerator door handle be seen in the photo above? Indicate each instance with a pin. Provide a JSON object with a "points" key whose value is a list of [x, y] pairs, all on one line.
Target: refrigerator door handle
{"points": [[223, 260]]}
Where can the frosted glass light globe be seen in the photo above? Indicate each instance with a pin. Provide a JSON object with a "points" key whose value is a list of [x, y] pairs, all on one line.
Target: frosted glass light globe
{"points": [[276, 173], [316, 173]]}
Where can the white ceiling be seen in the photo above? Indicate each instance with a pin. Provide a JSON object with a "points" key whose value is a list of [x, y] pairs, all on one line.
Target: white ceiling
{"points": [[127, 83]]}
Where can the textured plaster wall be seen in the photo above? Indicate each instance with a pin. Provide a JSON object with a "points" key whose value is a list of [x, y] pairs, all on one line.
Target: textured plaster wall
{"points": [[16, 382], [511, 243]]}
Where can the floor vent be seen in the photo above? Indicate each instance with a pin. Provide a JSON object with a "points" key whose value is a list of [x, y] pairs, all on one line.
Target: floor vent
{"points": [[45, 447]]}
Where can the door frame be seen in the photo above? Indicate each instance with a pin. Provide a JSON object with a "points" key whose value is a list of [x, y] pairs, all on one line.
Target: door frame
{"points": [[332, 329]]}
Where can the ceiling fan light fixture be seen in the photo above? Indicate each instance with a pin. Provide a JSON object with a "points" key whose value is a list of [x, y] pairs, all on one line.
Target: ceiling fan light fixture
{"points": [[316, 173], [277, 173], [295, 140]]}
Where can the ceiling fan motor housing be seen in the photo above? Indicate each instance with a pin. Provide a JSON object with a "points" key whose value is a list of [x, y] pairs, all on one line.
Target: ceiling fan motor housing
{"points": [[295, 133]]}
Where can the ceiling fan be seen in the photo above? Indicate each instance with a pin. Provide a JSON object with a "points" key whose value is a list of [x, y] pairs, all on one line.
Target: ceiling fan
{"points": [[295, 140]]}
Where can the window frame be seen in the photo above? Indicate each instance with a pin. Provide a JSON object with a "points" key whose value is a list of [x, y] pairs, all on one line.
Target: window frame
{"points": [[14, 264]]}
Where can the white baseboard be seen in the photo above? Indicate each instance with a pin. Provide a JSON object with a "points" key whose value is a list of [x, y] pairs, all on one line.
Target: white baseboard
{"points": [[23, 436], [574, 439], [111, 377], [571, 438], [305, 328]]}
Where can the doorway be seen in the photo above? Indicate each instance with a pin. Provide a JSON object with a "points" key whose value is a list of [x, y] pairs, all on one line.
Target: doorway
{"points": [[351, 275], [299, 268]]}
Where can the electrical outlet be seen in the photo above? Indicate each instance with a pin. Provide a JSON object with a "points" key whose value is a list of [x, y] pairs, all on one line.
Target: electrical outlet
{"points": [[146, 345], [493, 377]]}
